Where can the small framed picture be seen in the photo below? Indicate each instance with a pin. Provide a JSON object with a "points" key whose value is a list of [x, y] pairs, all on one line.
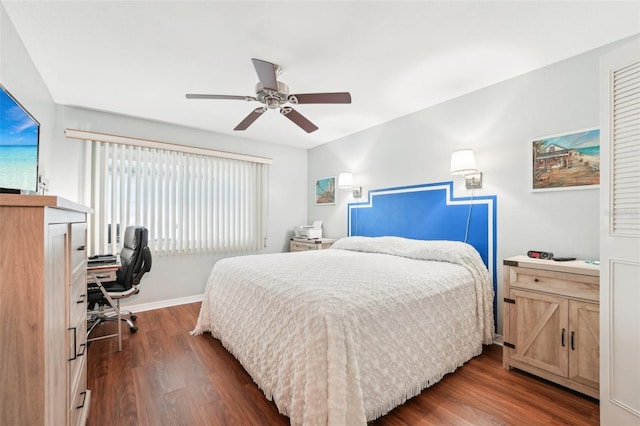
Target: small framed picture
{"points": [[326, 191], [566, 161]]}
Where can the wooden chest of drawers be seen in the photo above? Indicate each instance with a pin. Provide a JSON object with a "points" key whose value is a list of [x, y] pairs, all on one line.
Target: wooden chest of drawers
{"points": [[43, 259]]}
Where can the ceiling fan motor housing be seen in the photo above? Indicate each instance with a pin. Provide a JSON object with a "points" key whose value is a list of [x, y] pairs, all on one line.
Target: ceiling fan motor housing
{"points": [[271, 98]]}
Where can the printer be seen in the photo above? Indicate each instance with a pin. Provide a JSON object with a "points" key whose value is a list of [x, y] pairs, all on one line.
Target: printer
{"points": [[309, 232]]}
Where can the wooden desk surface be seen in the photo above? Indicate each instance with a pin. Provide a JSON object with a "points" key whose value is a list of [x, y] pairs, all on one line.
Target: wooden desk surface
{"points": [[103, 268]]}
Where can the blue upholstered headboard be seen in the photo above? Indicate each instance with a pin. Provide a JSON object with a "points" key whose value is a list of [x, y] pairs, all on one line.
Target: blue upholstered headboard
{"points": [[429, 212]]}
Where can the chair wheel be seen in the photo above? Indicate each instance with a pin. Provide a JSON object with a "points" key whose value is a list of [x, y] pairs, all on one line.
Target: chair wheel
{"points": [[133, 329], [133, 317]]}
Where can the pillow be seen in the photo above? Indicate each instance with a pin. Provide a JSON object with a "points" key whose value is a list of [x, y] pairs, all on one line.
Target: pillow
{"points": [[440, 250]]}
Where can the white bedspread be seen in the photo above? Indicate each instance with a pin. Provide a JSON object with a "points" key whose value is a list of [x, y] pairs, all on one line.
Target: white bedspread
{"points": [[341, 336]]}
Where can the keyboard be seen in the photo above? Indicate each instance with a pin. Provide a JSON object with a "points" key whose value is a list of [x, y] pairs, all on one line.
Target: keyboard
{"points": [[102, 259]]}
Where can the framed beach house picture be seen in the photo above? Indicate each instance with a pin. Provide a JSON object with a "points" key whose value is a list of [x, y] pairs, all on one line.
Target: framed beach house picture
{"points": [[566, 161], [326, 190]]}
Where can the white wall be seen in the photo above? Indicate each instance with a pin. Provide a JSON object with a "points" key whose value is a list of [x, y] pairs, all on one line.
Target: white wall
{"points": [[20, 77], [62, 161], [498, 122]]}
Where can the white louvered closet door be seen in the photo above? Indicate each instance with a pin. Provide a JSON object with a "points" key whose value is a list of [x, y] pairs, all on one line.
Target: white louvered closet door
{"points": [[620, 237]]}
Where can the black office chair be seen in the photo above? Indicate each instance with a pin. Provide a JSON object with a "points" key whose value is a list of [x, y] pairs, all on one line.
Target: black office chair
{"points": [[135, 261]]}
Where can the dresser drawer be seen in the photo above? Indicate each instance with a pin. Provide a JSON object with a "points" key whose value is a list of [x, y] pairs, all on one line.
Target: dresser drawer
{"points": [[79, 397], [566, 284], [77, 349], [295, 246], [78, 298], [78, 246], [321, 244]]}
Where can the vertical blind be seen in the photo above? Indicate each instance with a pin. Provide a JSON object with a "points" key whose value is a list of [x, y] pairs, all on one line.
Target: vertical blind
{"points": [[189, 202], [625, 152]]}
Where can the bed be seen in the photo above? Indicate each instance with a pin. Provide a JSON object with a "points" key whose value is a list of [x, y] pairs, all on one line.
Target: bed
{"points": [[343, 335]]}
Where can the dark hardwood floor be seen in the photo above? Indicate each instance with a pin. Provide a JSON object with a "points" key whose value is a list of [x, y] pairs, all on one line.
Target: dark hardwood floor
{"points": [[164, 376]]}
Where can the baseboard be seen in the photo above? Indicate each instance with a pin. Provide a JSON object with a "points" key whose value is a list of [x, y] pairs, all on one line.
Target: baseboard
{"points": [[498, 339], [163, 303]]}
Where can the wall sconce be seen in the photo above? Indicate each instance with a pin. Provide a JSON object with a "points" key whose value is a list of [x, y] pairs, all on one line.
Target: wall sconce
{"points": [[345, 182], [463, 162]]}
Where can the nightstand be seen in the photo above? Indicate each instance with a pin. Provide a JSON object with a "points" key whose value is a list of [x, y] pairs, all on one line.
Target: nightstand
{"points": [[304, 245], [552, 321]]}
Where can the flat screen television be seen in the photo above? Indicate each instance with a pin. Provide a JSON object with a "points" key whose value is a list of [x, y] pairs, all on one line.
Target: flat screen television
{"points": [[19, 138]]}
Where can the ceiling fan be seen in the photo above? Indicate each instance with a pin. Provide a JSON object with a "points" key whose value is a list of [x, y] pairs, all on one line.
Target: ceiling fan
{"points": [[275, 94]]}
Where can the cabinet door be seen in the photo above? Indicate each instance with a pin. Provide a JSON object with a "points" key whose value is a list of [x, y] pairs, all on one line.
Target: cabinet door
{"points": [[584, 343], [541, 331]]}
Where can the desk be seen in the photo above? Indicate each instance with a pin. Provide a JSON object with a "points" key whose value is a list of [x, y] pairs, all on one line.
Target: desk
{"points": [[96, 275]]}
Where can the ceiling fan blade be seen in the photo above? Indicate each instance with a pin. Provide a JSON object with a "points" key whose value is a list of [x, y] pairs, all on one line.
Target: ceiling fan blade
{"points": [[232, 97], [321, 98], [298, 119], [266, 73], [249, 119]]}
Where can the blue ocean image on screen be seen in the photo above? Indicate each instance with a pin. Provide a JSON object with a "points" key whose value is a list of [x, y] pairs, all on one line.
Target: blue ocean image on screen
{"points": [[18, 146]]}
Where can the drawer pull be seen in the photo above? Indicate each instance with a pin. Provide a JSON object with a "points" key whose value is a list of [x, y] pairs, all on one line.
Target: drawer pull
{"points": [[75, 343], [573, 348], [536, 280], [563, 330], [82, 248], [84, 399], [84, 348], [81, 299]]}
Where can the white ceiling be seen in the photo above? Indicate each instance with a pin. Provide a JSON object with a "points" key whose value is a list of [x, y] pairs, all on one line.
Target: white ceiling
{"points": [[139, 58]]}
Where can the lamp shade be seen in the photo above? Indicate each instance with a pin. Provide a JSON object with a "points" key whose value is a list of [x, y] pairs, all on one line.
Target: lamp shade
{"points": [[345, 181], [463, 162]]}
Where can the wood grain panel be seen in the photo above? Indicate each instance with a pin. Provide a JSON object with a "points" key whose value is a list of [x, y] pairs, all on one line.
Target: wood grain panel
{"points": [[571, 285], [19, 330], [541, 319], [584, 322]]}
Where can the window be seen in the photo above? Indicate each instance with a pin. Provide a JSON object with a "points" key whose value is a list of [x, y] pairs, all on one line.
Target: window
{"points": [[190, 202]]}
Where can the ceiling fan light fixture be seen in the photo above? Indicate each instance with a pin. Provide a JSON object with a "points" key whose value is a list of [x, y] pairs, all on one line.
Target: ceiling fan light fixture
{"points": [[272, 103]]}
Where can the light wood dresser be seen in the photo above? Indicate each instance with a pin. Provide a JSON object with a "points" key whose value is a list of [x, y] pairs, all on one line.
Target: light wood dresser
{"points": [[43, 261], [316, 244], [552, 321]]}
